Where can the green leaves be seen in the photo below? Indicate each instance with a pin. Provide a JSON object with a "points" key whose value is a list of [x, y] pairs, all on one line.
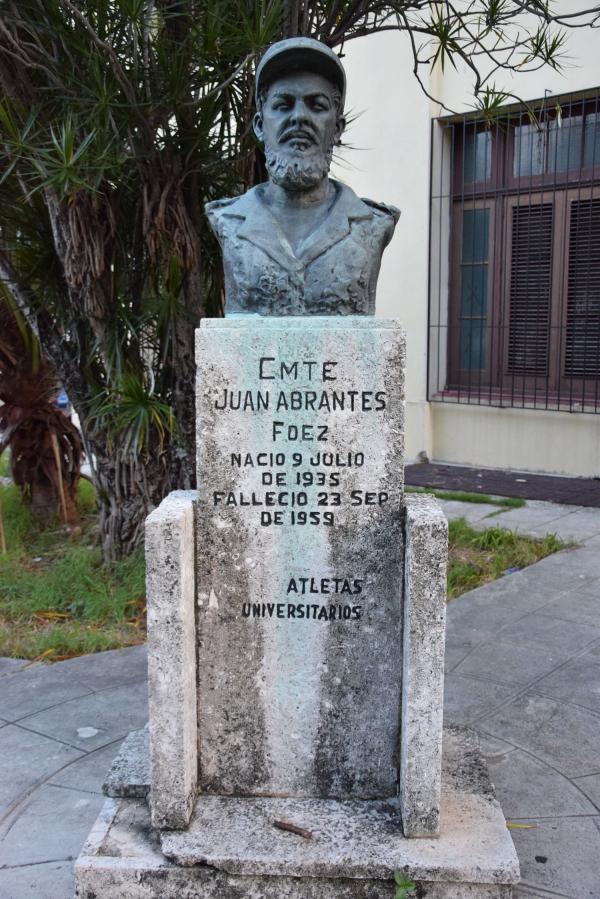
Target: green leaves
{"points": [[130, 412], [404, 885], [446, 30], [490, 103], [62, 166], [546, 45], [496, 12]]}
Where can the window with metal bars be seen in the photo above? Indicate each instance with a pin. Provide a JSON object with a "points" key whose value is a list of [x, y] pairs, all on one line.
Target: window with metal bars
{"points": [[515, 313]]}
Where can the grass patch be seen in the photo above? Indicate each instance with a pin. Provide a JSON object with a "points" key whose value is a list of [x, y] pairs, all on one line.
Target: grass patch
{"points": [[478, 557], [57, 599], [508, 502]]}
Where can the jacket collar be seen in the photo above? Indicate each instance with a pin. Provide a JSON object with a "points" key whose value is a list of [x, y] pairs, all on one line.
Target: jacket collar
{"points": [[260, 227]]}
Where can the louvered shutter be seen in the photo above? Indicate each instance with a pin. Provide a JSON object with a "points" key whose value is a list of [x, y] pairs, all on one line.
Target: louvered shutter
{"points": [[530, 290], [582, 347]]}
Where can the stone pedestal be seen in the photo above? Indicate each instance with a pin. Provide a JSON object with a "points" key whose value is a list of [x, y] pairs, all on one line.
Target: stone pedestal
{"points": [[232, 850], [300, 479], [296, 617]]}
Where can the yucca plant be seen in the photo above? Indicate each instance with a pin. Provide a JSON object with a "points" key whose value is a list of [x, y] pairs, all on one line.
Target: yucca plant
{"points": [[119, 119], [45, 446]]}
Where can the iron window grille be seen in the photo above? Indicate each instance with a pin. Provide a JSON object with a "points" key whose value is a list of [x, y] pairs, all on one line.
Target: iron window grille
{"points": [[515, 258]]}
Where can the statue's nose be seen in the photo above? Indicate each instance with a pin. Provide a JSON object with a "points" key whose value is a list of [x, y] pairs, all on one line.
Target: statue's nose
{"points": [[300, 112]]}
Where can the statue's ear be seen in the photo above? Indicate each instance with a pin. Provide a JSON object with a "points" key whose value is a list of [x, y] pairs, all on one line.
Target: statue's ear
{"points": [[340, 127], [257, 124]]}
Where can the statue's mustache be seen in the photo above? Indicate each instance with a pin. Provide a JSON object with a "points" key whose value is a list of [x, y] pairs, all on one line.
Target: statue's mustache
{"points": [[297, 134]]}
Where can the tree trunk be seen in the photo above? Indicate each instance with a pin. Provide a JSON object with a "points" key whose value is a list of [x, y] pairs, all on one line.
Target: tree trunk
{"points": [[128, 488], [43, 503]]}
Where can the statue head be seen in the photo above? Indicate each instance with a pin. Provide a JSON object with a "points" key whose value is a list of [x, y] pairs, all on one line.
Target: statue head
{"points": [[300, 93]]}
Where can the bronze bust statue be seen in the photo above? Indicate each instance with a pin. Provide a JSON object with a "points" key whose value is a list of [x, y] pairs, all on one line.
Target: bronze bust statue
{"points": [[301, 243]]}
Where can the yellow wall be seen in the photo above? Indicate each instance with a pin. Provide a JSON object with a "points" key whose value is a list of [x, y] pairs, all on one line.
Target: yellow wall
{"points": [[521, 439]]}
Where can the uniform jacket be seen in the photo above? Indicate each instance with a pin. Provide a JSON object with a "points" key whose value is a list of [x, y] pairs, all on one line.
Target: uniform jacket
{"points": [[334, 272]]}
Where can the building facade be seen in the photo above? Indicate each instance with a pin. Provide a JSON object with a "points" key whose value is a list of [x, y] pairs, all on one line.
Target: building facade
{"points": [[495, 265]]}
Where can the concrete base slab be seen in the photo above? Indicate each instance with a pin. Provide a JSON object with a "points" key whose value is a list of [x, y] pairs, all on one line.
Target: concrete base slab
{"points": [[129, 774], [232, 850]]}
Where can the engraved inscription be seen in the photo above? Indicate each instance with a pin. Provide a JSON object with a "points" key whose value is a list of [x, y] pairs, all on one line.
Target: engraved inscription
{"points": [[307, 486]]}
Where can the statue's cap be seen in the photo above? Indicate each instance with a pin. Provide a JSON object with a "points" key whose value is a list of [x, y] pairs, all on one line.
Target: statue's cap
{"points": [[300, 54]]}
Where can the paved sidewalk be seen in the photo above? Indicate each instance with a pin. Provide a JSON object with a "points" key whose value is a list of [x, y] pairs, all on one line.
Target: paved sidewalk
{"points": [[523, 663]]}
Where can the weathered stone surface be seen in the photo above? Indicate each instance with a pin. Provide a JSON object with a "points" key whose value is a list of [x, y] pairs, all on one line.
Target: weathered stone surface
{"points": [[129, 774], [300, 555], [170, 573], [473, 859], [423, 659]]}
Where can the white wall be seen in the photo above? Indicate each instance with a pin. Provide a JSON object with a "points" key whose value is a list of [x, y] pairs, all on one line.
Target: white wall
{"points": [[580, 62], [390, 162]]}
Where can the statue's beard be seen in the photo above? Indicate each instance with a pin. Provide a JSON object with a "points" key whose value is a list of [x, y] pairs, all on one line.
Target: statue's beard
{"points": [[296, 171]]}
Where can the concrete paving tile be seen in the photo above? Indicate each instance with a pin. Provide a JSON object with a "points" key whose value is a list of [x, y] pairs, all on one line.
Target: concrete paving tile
{"points": [[579, 605], [52, 881], [532, 516], [54, 824], [528, 589], [107, 669], [561, 571], [465, 699], [471, 512], [9, 666], [528, 788], [511, 663], [33, 689], [455, 653], [487, 609], [558, 508], [473, 621], [572, 528], [591, 787], [552, 634], [586, 558], [26, 759], [89, 771], [567, 574], [566, 737], [590, 587], [493, 748], [590, 516], [524, 892], [577, 682], [102, 718], [561, 855], [504, 587]]}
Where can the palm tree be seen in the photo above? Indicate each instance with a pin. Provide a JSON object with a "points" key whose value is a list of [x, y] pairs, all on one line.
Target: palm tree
{"points": [[45, 446]]}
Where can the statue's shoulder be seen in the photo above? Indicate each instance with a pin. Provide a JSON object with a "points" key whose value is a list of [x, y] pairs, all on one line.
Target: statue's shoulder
{"points": [[382, 210], [240, 205], [383, 219], [227, 214], [216, 208]]}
